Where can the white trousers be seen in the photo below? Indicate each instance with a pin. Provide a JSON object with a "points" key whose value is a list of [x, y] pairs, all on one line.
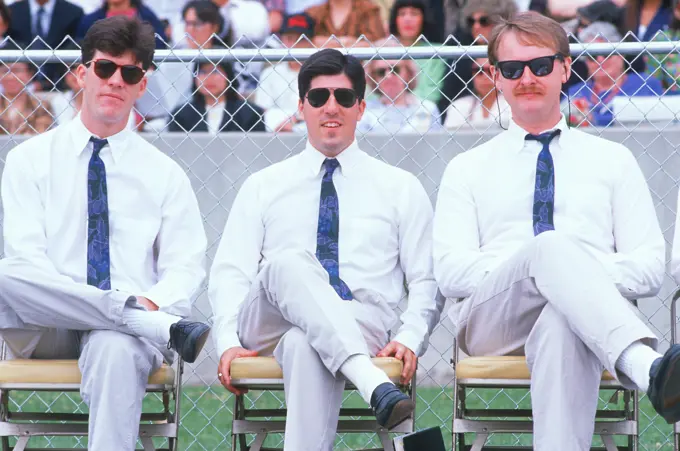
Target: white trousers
{"points": [[44, 315], [555, 304], [293, 313]]}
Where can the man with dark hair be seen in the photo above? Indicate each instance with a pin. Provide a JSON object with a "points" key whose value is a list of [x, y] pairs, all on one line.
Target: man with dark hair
{"points": [[547, 233], [104, 242], [317, 252]]}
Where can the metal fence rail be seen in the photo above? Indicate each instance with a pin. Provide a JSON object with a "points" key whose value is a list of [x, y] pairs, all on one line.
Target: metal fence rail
{"points": [[219, 163]]}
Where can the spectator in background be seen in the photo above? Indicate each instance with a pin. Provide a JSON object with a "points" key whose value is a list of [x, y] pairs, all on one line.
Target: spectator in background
{"points": [[645, 18], [597, 11], [21, 112], [482, 109], [129, 8], [666, 67], [392, 107], [608, 78], [5, 23], [216, 105], [478, 19], [49, 20], [347, 20], [246, 26], [276, 11], [277, 92], [409, 20], [565, 10]]}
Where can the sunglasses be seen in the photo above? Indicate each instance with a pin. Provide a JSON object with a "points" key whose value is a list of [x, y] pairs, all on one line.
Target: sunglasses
{"points": [[540, 67], [105, 69], [483, 21], [345, 97], [380, 73]]}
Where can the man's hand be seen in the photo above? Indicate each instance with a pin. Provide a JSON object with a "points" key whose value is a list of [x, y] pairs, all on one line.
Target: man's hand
{"points": [[147, 303], [224, 368], [401, 352]]}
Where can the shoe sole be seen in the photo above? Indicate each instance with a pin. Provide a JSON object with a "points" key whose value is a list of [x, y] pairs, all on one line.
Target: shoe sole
{"points": [[400, 413], [200, 342]]}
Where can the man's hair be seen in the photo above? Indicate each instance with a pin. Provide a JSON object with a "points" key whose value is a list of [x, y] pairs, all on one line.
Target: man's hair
{"points": [[531, 28], [118, 35], [332, 62]]}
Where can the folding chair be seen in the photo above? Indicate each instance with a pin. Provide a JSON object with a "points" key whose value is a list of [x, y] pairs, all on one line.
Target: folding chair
{"points": [[500, 373], [264, 373], [64, 376], [676, 427]]}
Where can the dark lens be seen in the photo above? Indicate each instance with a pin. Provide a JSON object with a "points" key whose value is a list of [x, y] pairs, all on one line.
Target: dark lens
{"points": [[345, 97], [541, 66], [484, 21], [318, 97], [470, 22], [511, 70], [380, 73], [131, 74], [104, 68]]}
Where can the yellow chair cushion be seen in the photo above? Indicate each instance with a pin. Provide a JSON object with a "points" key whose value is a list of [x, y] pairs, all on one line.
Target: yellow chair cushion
{"points": [[506, 367], [60, 372], [267, 368]]}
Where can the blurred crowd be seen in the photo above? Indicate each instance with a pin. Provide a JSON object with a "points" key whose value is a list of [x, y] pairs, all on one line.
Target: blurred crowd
{"points": [[402, 96]]}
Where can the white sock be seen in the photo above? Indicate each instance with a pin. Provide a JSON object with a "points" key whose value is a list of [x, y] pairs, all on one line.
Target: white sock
{"points": [[152, 325], [635, 362], [363, 374]]}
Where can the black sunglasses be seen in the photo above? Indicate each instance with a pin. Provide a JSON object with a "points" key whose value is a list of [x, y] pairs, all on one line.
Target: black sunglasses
{"points": [[106, 68], [345, 97], [484, 21], [540, 67]]}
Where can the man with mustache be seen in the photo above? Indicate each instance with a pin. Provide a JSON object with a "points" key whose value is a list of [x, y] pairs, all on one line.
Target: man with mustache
{"points": [[546, 233], [317, 252]]}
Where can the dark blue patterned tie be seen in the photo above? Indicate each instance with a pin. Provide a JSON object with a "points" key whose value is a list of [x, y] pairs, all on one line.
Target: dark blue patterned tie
{"points": [[328, 231], [98, 260], [544, 189]]}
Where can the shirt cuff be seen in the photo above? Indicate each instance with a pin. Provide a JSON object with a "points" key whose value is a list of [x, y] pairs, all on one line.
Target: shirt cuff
{"points": [[225, 341], [410, 340], [167, 303]]}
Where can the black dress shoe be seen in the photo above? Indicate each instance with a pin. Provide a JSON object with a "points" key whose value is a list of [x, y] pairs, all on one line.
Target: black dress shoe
{"points": [[187, 338], [664, 385], [390, 405]]}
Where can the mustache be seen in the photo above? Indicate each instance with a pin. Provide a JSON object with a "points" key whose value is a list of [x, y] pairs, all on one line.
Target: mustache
{"points": [[528, 90]]}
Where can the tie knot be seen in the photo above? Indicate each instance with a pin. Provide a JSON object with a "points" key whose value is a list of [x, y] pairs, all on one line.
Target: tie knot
{"points": [[98, 144], [543, 138], [331, 164]]}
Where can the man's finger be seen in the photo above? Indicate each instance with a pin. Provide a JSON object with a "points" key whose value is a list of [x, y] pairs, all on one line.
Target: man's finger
{"points": [[387, 350], [400, 352]]}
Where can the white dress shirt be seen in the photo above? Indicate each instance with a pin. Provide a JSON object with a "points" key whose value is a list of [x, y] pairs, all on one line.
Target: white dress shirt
{"points": [[46, 18], [385, 238], [485, 203], [157, 240]]}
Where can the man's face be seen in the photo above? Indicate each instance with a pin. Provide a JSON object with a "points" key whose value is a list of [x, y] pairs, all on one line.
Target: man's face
{"points": [[14, 78], [199, 32], [109, 100], [480, 25], [482, 80], [331, 127], [605, 69], [530, 97], [391, 77]]}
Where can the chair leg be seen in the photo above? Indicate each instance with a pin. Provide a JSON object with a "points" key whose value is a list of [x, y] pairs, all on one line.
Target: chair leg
{"points": [[5, 444], [147, 444], [479, 442], [22, 442], [258, 442], [386, 441], [608, 442]]}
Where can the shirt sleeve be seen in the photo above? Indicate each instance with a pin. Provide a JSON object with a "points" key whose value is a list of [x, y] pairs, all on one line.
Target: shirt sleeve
{"points": [[24, 212], [181, 245], [459, 264], [415, 256], [637, 267], [236, 265]]}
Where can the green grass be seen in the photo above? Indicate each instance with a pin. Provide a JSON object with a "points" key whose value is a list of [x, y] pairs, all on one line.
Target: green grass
{"points": [[206, 416]]}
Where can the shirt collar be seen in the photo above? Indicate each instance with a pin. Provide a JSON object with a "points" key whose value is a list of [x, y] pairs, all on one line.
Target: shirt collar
{"points": [[517, 134], [348, 159], [34, 7], [80, 137]]}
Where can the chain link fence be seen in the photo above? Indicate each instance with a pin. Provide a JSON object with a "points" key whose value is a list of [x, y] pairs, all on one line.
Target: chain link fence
{"points": [[223, 114]]}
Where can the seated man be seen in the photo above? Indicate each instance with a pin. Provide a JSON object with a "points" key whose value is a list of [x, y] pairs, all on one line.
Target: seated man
{"points": [[556, 287], [317, 252], [104, 242], [608, 77]]}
